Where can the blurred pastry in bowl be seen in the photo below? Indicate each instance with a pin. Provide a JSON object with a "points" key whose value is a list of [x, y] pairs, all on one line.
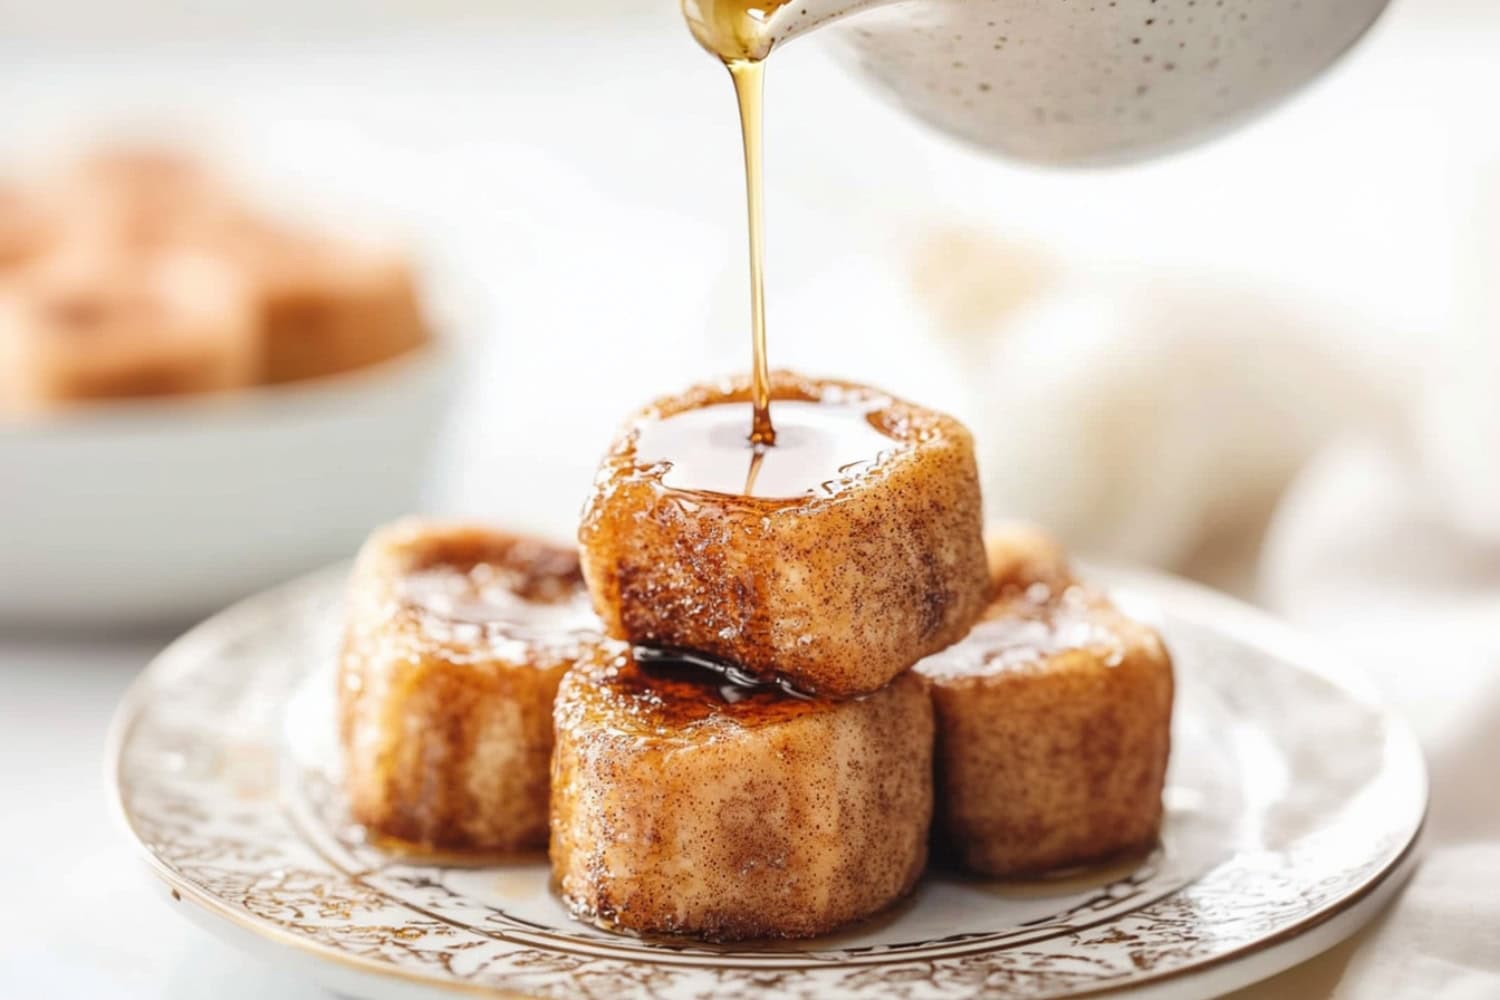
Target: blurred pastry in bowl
{"points": [[86, 326], [457, 637], [197, 398], [1053, 722], [325, 306], [25, 230], [321, 304], [141, 197]]}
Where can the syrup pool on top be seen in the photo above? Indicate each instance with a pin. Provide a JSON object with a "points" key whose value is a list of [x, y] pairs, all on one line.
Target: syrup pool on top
{"points": [[819, 446], [1028, 630], [488, 599]]}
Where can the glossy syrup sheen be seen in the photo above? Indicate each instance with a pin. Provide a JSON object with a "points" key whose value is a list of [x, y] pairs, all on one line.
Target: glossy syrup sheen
{"points": [[731, 29], [501, 601], [669, 691], [819, 446], [708, 675], [1030, 629]]}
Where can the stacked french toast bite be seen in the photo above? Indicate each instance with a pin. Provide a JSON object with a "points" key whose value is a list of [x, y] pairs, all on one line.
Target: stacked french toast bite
{"points": [[686, 800], [783, 685]]}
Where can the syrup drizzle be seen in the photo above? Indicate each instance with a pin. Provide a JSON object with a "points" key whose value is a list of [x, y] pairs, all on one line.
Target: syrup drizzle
{"points": [[733, 31], [731, 683], [749, 78]]}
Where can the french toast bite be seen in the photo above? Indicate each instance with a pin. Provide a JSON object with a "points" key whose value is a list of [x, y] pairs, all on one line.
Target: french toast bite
{"points": [[80, 326], [836, 558], [457, 637], [684, 802], [1053, 722], [1022, 555]]}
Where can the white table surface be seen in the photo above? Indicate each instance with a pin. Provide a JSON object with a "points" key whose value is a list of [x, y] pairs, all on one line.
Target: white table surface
{"points": [[80, 916]]}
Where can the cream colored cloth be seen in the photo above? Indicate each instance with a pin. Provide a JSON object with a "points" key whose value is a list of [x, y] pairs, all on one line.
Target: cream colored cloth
{"points": [[1363, 556], [1308, 461]]}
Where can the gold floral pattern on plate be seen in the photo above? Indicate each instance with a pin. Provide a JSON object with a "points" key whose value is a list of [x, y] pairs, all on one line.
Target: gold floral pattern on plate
{"points": [[1290, 800]]}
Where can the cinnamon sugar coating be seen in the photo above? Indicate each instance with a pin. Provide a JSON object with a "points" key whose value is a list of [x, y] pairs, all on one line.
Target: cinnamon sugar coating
{"points": [[681, 806], [1053, 722]]}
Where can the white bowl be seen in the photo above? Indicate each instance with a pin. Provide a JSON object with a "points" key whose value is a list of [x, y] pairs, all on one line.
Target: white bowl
{"points": [[158, 511]]}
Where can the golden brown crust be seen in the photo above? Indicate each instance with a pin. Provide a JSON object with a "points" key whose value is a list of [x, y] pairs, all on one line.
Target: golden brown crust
{"points": [[678, 811], [838, 591], [456, 640], [1054, 720]]}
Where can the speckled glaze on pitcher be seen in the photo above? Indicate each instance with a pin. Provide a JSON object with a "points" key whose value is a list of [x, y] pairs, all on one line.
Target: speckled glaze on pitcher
{"points": [[1080, 81]]}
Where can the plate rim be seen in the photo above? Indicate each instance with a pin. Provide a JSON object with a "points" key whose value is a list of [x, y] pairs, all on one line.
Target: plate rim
{"points": [[1239, 618]]}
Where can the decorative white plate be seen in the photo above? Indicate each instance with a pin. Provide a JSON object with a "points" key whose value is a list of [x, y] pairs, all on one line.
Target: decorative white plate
{"points": [[1294, 808]]}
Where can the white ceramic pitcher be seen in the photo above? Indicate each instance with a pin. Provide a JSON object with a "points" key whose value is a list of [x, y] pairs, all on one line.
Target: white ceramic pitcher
{"points": [[1076, 81]]}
